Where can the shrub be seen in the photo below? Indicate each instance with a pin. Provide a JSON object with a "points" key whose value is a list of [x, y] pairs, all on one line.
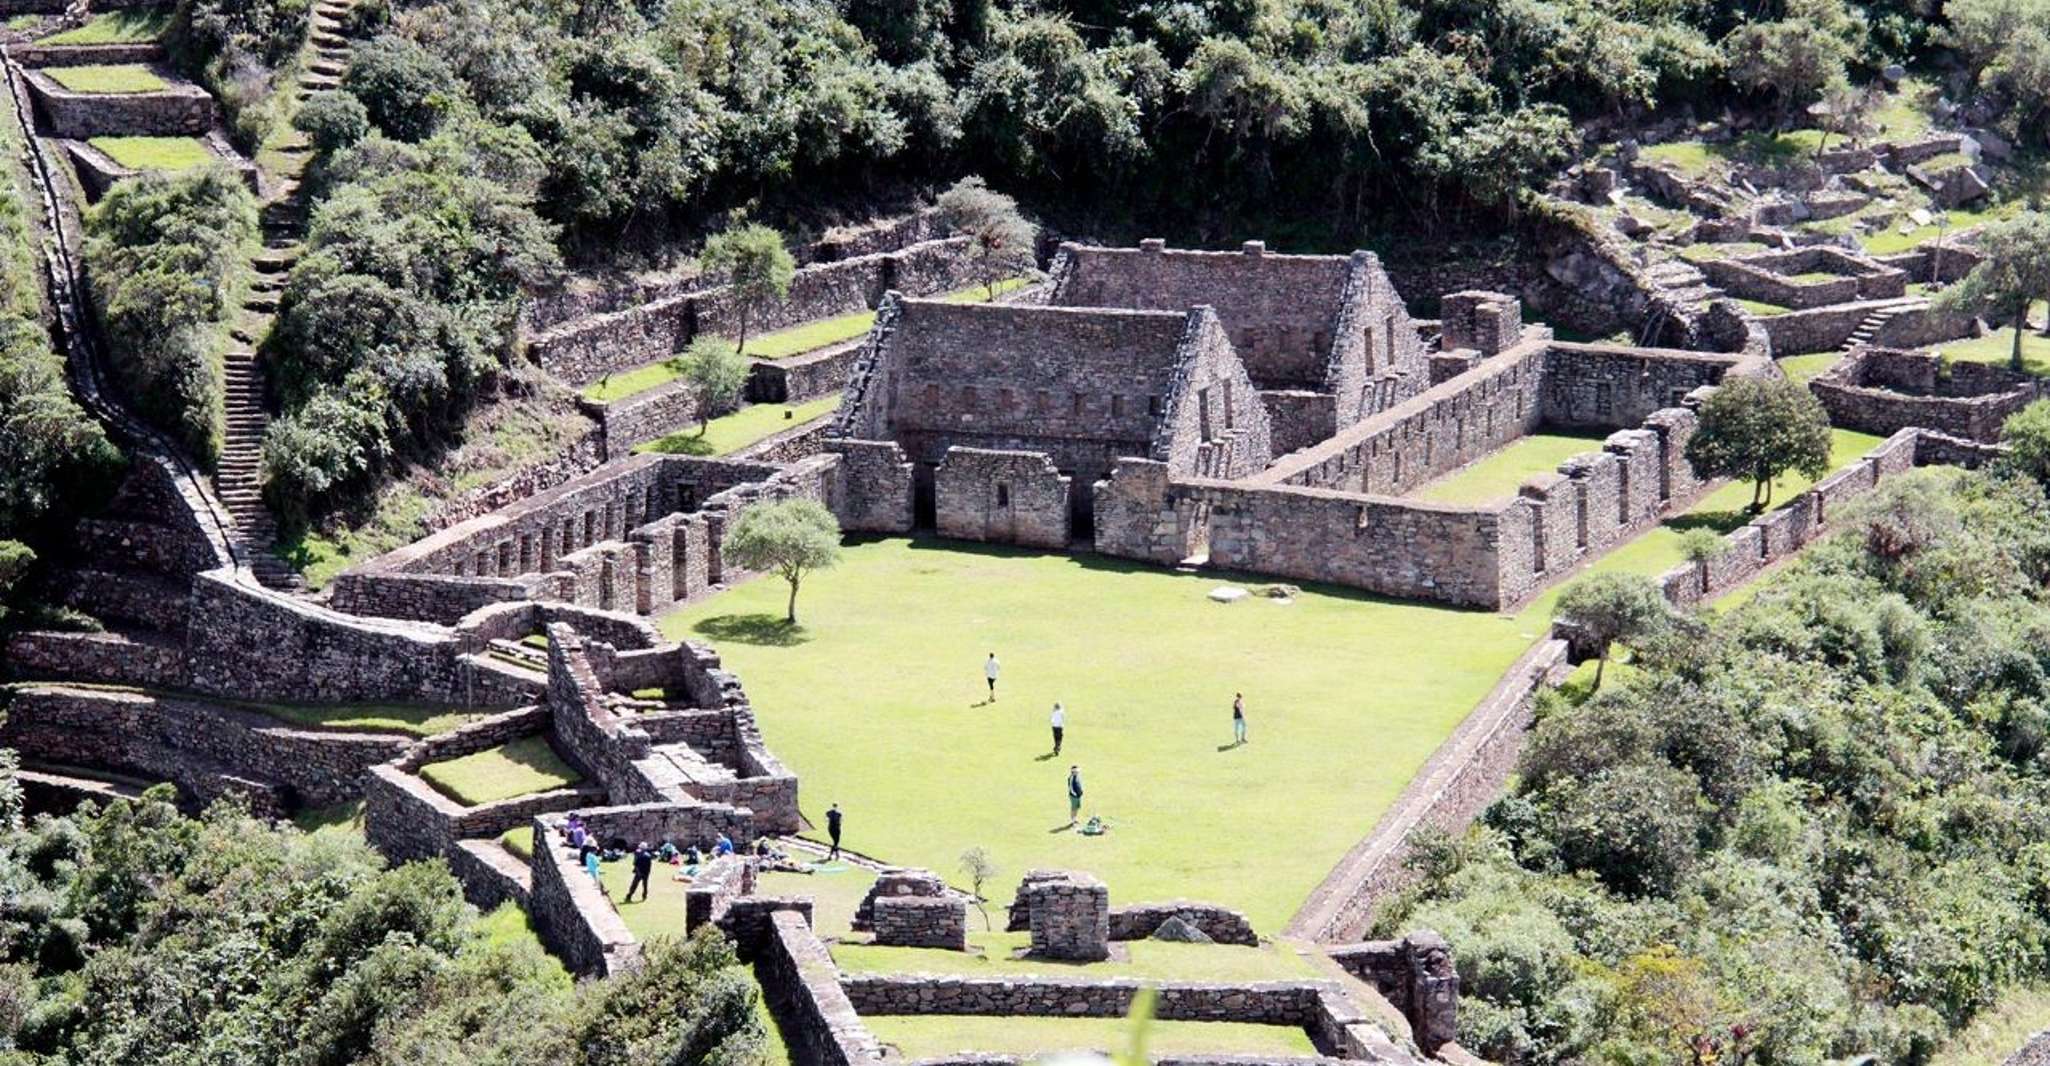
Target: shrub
{"points": [[332, 121], [405, 89], [167, 256]]}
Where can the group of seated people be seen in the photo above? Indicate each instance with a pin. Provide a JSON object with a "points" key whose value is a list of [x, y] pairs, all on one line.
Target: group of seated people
{"points": [[591, 851]]}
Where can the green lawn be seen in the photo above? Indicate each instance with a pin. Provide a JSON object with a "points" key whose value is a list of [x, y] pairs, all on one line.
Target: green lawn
{"points": [[878, 701], [516, 768], [1762, 309], [1808, 367], [419, 720], [939, 1035], [115, 27], [781, 344], [1694, 157], [121, 78], [1497, 476], [730, 433], [1147, 958], [1998, 347], [335, 818], [1889, 241], [835, 890], [156, 153]]}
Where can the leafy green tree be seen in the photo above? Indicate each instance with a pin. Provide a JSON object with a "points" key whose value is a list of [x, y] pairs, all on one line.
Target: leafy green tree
{"points": [[756, 266], [405, 89], [1608, 608], [1796, 59], [999, 238], [2013, 271], [791, 537], [2027, 436], [716, 372], [1759, 428], [2006, 46]]}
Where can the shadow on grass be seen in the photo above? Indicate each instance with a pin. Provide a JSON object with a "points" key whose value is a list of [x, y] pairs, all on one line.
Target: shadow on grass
{"points": [[768, 630], [680, 444], [1713, 521]]}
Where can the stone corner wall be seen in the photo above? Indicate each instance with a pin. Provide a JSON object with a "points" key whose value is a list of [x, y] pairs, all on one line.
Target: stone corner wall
{"points": [[1068, 914], [804, 991], [1416, 975], [1138, 921]]}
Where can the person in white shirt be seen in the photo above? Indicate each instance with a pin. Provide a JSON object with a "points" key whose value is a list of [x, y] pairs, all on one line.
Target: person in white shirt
{"points": [[989, 671], [1060, 723]]}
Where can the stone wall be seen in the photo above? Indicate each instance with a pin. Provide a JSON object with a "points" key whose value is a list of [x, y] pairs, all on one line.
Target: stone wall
{"points": [[874, 490], [583, 350], [919, 922], [1298, 418], [1002, 497], [1770, 277], [1415, 974], [1068, 913], [1882, 391], [1779, 533], [178, 110], [250, 644], [573, 915], [817, 1020], [1459, 781], [900, 883], [204, 748], [646, 416], [1898, 324], [579, 457], [1138, 921], [803, 377], [100, 658], [79, 55]]}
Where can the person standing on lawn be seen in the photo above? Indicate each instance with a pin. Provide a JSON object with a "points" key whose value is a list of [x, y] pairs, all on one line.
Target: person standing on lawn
{"points": [[644, 865], [1074, 794], [1060, 725], [989, 673], [833, 830], [1238, 717]]}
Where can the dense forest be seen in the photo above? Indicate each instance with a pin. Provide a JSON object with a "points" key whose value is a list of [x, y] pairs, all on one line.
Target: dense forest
{"points": [[134, 934], [1809, 828]]}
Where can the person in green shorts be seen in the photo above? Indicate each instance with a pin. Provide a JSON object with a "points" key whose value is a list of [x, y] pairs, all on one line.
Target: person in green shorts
{"points": [[1074, 794]]}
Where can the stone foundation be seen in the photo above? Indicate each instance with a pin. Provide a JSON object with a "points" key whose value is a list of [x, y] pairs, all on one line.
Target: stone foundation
{"points": [[1068, 913], [921, 922]]}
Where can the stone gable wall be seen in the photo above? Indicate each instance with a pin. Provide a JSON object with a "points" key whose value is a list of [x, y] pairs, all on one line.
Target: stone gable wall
{"points": [[1280, 311], [1214, 424]]}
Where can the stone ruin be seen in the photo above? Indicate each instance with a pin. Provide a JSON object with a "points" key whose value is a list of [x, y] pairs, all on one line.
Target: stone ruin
{"points": [[1415, 974], [1885, 390], [1068, 914], [913, 908]]}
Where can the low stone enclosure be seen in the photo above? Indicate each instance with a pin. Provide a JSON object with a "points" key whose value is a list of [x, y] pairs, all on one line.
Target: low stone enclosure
{"points": [[177, 109], [1814, 276], [1884, 390], [820, 1010]]}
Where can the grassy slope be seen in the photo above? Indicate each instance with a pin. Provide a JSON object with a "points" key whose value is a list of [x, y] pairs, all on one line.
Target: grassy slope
{"points": [[517, 768], [1497, 476], [121, 78], [155, 153], [878, 702], [730, 433], [2000, 1030], [419, 720], [115, 27]]}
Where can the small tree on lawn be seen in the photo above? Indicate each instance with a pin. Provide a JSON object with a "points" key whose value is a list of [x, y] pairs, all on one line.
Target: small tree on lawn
{"points": [[980, 870], [1702, 547], [2014, 271], [1610, 608], [1758, 429], [790, 537], [716, 372], [999, 238], [756, 265]]}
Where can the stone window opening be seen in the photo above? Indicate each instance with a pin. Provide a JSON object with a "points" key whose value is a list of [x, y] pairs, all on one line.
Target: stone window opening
{"points": [[1203, 414], [1003, 494], [1388, 332], [1077, 404], [1604, 399], [1153, 406], [1227, 406], [1117, 405], [590, 528]]}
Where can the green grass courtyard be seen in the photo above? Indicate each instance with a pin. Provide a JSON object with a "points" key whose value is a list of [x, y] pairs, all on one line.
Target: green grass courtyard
{"points": [[119, 78], [516, 768], [156, 153], [1496, 476], [878, 701]]}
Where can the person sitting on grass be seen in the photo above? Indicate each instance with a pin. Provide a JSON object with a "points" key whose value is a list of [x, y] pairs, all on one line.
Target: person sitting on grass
{"points": [[668, 853], [575, 833], [724, 846]]}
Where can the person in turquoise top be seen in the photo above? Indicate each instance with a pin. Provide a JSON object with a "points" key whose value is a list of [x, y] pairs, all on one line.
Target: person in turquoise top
{"points": [[1074, 794], [591, 863]]}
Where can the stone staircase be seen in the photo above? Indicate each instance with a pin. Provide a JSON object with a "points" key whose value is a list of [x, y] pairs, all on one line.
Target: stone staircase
{"points": [[1870, 326], [239, 476], [1684, 287]]}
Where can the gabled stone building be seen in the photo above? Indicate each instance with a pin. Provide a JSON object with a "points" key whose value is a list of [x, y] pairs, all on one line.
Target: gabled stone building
{"points": [[1325, 338], [1001, 408]]}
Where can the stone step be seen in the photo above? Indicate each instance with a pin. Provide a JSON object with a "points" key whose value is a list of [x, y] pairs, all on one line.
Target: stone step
{"points": [[259, 301]]}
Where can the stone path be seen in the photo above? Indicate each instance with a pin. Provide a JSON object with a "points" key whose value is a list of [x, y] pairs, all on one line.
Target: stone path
{"points": [[239, 475]]}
